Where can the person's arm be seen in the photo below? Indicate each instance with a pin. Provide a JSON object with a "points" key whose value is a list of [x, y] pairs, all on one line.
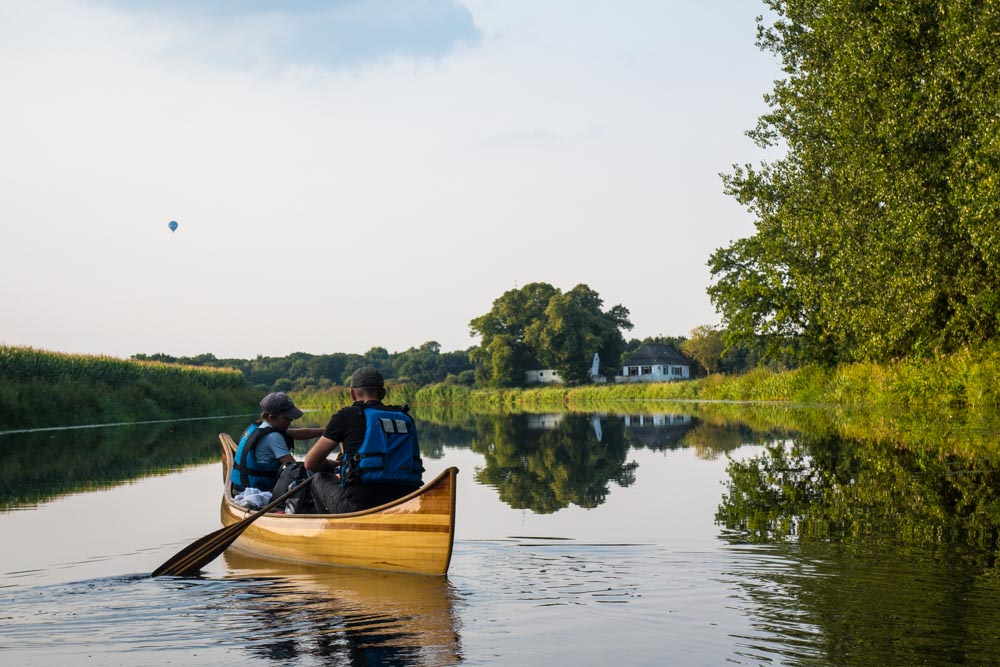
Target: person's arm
{"points": [[286, 459], [316, 458], [304, 433]]}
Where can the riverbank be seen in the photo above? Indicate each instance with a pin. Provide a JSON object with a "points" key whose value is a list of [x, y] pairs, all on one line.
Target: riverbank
{"points": [[39, 388], [966, 379]]}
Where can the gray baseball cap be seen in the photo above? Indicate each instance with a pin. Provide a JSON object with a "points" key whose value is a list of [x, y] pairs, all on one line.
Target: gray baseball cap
{"points": [[278, 403], [367, 376]]}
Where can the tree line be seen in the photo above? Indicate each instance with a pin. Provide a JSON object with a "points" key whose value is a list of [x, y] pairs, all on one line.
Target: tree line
{"points": [[301, 371], [537, 325]]}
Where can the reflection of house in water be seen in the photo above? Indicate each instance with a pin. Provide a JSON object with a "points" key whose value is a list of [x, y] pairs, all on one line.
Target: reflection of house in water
{"points": [[662, 431], [545, 422], [550, 422]]}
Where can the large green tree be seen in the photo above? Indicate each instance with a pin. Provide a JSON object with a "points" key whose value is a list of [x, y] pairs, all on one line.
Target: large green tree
{"points": [[876, 231], [706, 347], [540, 323], [503, 353]]}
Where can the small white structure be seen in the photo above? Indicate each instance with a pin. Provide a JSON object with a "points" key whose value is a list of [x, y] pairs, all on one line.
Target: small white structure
{"points": [[545, 422], [655, 362], [536, 374]]}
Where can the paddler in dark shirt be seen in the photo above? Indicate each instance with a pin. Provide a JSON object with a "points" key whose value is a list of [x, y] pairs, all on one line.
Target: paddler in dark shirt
{"points": [[343, 436]]}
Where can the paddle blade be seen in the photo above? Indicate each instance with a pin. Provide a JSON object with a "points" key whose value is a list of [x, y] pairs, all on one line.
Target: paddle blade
{"points": [[188, 561]]}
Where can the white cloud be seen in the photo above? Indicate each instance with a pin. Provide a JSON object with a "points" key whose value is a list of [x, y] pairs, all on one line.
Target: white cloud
{"points": [[327, 33]]}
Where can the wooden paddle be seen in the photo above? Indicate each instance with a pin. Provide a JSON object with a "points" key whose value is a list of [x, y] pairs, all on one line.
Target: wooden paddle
{"points": [[189, 560]]}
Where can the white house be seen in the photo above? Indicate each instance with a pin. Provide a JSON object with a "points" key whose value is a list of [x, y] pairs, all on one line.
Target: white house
{"points": [[655, 362]]}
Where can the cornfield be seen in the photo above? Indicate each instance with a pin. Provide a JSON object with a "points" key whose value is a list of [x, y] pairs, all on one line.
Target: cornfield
{"points": [[46, 389], [26, 364]]}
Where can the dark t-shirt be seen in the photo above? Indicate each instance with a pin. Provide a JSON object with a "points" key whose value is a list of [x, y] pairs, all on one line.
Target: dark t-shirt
{"points": [[347, 426]]}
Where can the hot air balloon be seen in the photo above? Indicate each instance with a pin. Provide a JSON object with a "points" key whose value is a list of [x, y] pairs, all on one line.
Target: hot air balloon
{"points": [[172, 225]]}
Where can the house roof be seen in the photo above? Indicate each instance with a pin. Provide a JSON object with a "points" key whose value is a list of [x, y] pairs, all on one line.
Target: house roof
{"points": [[660, 437], [656, 353], [533, 365]]}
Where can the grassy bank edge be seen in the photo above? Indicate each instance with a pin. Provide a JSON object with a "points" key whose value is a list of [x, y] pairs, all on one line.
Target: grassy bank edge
{"points": [[967, 379]]}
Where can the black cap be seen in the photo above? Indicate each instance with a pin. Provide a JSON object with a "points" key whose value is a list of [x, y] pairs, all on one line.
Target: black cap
{"points": [[366, 376], [278, 403]]}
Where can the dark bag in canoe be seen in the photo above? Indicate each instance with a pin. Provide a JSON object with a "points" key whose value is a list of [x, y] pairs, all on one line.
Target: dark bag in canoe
{"points": [[290, 476]]}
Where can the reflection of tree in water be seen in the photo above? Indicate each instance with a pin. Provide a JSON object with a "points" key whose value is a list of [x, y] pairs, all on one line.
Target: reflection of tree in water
{"points": [[868, 604], [546, 469], [887, 555], [435, 437], [87, 458], [711, 440], [824, 487]]}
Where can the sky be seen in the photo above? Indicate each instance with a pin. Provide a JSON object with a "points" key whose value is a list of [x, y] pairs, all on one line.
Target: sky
{"points": [[347, 174]]}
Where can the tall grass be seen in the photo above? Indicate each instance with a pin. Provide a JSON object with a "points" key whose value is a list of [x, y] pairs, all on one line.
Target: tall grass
{"points": [[39, 388], [333, 399]]}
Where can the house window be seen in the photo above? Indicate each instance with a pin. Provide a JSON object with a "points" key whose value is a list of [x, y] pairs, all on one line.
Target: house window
{"points": [[646, 370], [677, 370]]}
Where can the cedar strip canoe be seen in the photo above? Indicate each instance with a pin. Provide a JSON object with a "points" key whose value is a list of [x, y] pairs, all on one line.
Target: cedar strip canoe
{"points": [[413, 534]]}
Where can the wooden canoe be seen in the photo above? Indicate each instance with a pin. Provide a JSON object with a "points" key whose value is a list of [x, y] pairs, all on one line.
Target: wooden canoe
{"points": [[412, 534]]}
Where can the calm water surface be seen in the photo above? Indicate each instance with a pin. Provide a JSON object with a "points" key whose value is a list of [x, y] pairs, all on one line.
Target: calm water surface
{"points": [[581, 539]]}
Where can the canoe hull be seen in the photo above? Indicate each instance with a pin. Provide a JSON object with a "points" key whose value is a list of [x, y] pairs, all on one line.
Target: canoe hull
{"points": [[413, 534]]}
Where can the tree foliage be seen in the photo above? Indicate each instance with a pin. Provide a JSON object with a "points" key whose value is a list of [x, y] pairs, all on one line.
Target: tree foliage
{"points": [[706, 347], [540, 323], [876, 232]]}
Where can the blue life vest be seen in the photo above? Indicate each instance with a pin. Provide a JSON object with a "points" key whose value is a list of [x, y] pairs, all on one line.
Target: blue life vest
{"points": [[245, 474], [389, 453]]}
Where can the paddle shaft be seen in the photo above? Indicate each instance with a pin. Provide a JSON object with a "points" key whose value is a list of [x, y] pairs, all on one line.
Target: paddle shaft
{"points": [[189, 560]]}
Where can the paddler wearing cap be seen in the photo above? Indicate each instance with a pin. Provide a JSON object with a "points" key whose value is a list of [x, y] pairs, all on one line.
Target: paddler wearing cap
{"points": [[377, 455], [266, 445]]}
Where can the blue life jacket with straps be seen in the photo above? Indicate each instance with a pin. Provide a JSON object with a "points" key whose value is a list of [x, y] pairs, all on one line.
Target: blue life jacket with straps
{"points": [[389, 454], [245, 473]]}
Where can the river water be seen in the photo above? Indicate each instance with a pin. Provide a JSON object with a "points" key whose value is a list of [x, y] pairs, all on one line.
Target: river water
{"points": [[649, 538]]}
